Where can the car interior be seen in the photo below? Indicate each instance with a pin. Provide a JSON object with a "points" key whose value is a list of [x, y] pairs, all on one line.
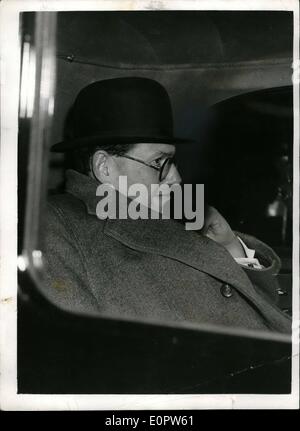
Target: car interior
{"points": [[231, 92]]}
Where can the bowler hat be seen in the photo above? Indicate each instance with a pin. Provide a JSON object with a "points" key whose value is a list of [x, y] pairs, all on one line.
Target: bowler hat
{"points": [[121, 110]]}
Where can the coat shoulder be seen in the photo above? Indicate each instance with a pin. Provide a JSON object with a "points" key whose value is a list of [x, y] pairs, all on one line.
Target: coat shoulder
{"points": [[69, 208], [64, 204], [68, 215]]}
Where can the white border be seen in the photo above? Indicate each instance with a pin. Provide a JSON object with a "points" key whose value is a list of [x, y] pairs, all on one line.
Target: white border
{"points": [[9, 399]]}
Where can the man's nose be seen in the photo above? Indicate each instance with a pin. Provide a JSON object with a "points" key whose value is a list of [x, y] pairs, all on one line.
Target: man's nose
{"points": [[173, 176]]}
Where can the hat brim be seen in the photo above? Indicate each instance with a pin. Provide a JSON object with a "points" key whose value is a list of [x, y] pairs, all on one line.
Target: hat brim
{"points": [[74, 144]]}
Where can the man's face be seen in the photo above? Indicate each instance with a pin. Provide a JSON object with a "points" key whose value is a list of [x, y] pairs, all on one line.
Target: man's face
{"points": [[151, 154]]}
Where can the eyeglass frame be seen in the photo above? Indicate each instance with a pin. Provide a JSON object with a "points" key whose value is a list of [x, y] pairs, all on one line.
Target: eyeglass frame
{"points": [[151, 166]]}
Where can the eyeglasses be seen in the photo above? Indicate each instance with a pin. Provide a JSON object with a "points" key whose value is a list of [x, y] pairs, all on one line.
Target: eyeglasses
{"points": [[163, 170]]}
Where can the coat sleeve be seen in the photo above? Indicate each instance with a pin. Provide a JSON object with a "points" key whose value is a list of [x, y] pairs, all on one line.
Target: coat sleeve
{"points": [[65, 277], [265, 279]]}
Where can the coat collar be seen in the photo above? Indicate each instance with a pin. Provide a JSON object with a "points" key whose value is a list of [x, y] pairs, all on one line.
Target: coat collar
{"points": [[84, 188]]}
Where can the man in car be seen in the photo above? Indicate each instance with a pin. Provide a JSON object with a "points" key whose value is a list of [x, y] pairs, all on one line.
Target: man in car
{"points": [[147, 269]]}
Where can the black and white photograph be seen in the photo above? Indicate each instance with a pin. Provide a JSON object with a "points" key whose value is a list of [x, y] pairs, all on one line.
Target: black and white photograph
{"points": [[149, 206]]}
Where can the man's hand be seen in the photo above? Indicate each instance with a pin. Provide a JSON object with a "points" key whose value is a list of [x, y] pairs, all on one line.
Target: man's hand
{"points": [[216, 228]]}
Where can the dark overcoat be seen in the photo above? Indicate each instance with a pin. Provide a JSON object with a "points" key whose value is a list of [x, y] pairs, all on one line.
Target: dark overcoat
{"points": [[151, 269]]}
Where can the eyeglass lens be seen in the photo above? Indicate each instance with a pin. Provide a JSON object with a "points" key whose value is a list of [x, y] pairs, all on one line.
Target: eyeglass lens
{"points": [[166, 168]]}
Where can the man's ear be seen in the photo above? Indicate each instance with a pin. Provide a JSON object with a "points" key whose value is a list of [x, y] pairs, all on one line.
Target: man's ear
{"points": [[99, 166]]}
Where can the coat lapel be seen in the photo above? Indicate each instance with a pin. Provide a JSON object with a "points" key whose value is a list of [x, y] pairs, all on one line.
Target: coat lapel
{"points": [[170, 239]]}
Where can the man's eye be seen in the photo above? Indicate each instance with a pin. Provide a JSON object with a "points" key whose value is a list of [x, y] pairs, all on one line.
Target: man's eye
{"points": [[157, 162]]}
